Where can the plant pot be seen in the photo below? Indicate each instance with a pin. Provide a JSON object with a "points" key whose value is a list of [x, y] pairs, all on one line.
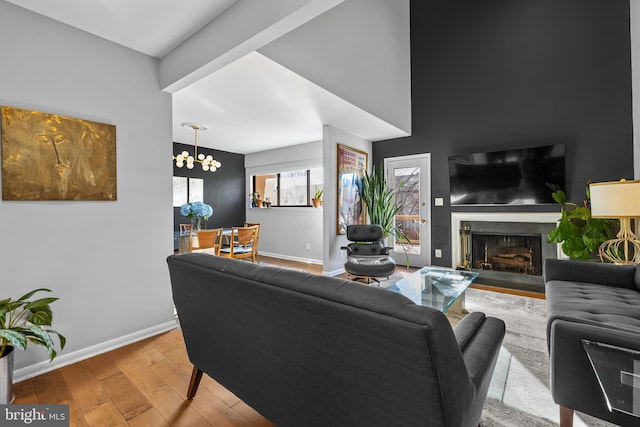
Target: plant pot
{"points": [[259, 203], [6, 377], [316, 202]]}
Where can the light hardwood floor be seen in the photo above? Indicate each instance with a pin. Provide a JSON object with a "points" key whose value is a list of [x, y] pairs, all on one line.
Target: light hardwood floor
{"points": [[143, 384]]}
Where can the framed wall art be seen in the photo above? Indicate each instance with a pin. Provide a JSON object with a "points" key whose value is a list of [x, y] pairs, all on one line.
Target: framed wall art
{"points": [[53, 157], [352, 165]]}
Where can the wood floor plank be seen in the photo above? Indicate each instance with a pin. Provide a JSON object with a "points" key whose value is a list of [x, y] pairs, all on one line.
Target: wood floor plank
{"points": [[150, 418], [160, 394], [76, 417], [253, 417], [87, 391], [218, 390], [105, 415], [101, 366], [178, 356], [127, 398], [52, 388], [25, 393], [161, 343], [215, 411]]}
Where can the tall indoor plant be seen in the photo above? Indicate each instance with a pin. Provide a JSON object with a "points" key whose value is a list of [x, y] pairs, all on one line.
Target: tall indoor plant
{"points": [[382, 205], [579, 234], [24, 321]]}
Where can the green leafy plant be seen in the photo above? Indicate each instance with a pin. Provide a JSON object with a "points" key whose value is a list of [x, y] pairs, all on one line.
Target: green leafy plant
{"points": [[23, 321], [577, 231], [382, 205], [318, 193]]}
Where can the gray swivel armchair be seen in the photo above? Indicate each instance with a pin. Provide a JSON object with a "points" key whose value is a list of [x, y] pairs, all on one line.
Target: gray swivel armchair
{"points": [[367, 256]]}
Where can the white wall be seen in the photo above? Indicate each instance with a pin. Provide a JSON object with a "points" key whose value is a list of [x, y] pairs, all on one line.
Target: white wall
{"points": [[333, 256], [359, 51], [104, 260], [286, 231]]}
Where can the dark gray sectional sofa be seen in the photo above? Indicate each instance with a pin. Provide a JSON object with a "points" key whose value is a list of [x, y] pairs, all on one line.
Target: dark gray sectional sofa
{"points": [[588, 301], [310, 350]]}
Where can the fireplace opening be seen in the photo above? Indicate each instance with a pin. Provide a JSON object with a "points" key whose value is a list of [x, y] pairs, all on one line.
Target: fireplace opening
{"points": [[506, 254], [510, 253]]}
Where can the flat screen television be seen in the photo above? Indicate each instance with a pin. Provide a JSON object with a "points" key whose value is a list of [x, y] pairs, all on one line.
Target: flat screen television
{"points": [[525, 176]]}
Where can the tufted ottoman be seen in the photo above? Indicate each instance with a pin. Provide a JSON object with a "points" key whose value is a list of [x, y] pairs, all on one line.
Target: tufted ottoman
{"points": [[597, 302]]}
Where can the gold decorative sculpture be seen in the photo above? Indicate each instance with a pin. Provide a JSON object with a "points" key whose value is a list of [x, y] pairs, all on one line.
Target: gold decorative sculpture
{"points": [[52, 157]]}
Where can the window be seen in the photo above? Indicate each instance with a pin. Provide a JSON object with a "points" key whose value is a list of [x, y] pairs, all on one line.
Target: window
{"points": [[187, 190], [291, 188]]}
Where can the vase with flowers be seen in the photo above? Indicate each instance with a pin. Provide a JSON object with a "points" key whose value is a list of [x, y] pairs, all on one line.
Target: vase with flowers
{"points": [[196, 211]]}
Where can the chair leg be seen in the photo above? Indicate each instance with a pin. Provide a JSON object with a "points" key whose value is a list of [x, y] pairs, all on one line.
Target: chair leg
{"points": [[566, 417], [196, 376]]}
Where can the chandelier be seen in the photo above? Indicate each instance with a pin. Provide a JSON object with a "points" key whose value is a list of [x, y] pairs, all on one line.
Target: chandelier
{"points": [[208, 162]]}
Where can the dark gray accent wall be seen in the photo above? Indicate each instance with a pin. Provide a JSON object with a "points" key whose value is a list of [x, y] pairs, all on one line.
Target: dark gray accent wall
{"points": [[224, 189], [499, 74]]}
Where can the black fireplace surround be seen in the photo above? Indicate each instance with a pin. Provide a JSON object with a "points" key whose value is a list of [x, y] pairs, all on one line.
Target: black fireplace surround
{"points": [[509, 254]]}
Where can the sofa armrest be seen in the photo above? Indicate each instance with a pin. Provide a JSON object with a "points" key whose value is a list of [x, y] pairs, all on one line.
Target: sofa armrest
{"points": [[621, 276], [573, 382], [479, 338], [467, 327]]}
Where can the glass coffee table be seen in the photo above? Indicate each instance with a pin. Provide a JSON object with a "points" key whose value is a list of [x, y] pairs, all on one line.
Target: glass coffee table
{"points": [[436, 287]]}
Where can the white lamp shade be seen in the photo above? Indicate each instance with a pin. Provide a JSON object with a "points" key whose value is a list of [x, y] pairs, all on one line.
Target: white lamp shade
{"points": [[615, 199]]}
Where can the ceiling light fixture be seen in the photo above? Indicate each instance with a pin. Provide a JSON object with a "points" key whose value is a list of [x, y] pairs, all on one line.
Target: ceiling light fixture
{"points": [[208, 162]]}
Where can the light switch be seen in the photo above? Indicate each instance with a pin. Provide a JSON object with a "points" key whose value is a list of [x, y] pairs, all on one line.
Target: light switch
{"points": [[438, 253], [439, 201]]}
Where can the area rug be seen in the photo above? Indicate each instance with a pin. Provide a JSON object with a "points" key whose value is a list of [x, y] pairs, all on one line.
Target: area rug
{"points": [[519, 394]]}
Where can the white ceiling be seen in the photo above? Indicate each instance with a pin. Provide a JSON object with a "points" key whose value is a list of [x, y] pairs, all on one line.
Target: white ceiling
{"points": [[251, 105]]}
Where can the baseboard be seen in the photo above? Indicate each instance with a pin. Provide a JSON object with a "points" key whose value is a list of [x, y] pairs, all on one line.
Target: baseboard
{"points": [[334, 272], [86, 353], [291, 258]]}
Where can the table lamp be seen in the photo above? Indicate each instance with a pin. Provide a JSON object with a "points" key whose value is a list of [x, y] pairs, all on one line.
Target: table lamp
{"points": [[618, 199]]}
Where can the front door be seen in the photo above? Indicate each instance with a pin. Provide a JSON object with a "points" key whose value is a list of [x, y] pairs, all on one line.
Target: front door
{"points": [[409, 175]]}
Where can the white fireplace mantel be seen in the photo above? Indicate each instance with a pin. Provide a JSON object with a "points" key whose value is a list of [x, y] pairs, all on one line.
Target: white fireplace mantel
{"points": [[459, 217]]}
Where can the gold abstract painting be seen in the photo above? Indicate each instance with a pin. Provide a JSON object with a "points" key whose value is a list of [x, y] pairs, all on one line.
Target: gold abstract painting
{"points": [[52, 157]]}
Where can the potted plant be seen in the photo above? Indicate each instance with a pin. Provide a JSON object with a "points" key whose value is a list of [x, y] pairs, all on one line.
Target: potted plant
{"points": [[382, 206], [579, 234], [317, 197], [24, 321]]}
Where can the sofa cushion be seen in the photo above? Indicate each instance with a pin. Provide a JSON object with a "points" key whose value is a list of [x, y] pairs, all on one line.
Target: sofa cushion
{"points": [[589, 303], [605, 274]]}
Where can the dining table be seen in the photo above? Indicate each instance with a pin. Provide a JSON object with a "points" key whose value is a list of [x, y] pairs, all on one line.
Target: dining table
{"points": [[183, 240]]}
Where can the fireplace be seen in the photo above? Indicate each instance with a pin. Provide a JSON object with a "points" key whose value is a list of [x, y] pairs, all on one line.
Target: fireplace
{"points": [[506, 252], [506, 249]]}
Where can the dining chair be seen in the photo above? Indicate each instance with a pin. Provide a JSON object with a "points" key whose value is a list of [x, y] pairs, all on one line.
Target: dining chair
{"points": [[243, 243], [206, 241], [257, 224]]}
